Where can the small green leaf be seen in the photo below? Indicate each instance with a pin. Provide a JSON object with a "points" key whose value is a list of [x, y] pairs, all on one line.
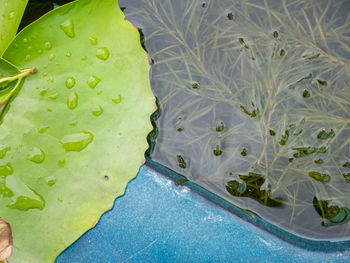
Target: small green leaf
{"points": [[11, 12], [323, 178]]}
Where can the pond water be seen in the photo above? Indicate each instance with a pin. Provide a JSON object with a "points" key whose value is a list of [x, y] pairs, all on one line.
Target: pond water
{"points": [[254, 99]]}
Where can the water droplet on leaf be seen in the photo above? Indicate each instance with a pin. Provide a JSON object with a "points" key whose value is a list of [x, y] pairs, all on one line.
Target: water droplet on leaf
{"points": [[70, 82], [48, 45], [97, 110], [93, 40], [68, 28], [3, 150], [43, 128], [77, 141], [51, 180], [117, 99], [102, 53], [52, 57], [61, 163], [53, 96], [36, 155], [93, 81], [73, 123], [6, 170], [72, 101], [24, 203], [11, 15]]}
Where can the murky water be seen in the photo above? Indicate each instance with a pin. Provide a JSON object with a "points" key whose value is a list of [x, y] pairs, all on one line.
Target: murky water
{"points": [[255, 101]]}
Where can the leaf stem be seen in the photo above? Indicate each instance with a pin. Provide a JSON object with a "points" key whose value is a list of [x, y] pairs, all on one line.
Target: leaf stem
{"points": [[6, 97], [22, 74]]}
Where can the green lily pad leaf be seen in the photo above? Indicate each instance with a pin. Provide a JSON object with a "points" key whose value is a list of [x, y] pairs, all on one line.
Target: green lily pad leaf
{"points": [[271, 96], [71, 150], [11, 12]]}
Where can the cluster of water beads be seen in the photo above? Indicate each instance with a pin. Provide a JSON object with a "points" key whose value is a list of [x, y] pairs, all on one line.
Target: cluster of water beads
{"points": [[102, 53], [71, 142]]}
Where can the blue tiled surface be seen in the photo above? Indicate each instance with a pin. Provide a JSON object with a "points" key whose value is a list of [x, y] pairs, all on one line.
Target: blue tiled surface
{"points": [[156, 221]]}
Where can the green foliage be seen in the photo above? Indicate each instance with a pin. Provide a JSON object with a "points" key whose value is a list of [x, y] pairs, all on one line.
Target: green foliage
{"points": [[275, 75], [75, 133], [11, 12]]}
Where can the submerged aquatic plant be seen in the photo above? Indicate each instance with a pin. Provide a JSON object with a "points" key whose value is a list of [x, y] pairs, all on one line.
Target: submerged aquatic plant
{"points": [[275, 75]]}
